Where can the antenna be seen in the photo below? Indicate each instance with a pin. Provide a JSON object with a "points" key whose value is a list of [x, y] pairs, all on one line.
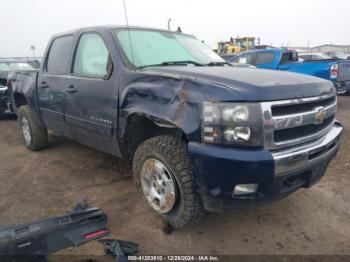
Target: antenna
{"points": [[127, 26], [169, 20]]}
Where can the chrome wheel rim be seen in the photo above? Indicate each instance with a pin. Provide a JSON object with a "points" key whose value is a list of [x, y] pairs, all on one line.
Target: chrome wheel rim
{"points": [[26, 131], [158, 186]]}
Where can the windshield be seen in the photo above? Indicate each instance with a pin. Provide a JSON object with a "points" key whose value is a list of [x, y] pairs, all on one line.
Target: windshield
{"points": [[158, 47], [10, 66]]}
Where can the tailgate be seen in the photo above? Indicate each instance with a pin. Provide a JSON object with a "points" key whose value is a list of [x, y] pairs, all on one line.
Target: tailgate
{"points": [[344, 71]]}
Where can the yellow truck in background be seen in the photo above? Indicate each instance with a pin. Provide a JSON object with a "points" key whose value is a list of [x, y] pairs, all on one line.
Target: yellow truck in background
{"points": [[236, 45]]}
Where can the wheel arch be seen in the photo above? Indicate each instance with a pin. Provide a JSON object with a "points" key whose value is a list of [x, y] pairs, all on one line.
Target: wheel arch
{"points": [[140, 127], [19, 99]]}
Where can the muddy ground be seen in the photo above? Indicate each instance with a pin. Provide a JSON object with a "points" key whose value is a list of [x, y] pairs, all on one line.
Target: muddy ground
{"points": [[46, 183]]}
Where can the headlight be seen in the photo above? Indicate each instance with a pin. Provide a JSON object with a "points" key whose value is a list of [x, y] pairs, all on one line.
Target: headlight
{"points": [[236, 114], [232, 123], [238, 134]]}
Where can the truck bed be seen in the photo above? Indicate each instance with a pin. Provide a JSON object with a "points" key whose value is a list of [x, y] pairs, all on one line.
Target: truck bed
{"points": [[319, 68]]}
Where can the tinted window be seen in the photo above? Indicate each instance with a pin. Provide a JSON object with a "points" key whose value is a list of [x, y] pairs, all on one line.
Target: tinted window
{"points": [[91, 57], [59, 55], [231, 59], [289, 57], [228, 58], [243, 59], [264, 58]]}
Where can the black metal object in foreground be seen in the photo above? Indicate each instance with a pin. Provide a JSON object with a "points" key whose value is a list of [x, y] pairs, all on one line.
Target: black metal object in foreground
{"points": [[118, 248], [31, 241]]}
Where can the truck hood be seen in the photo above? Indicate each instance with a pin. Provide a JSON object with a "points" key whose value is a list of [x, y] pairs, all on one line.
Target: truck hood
{"points": [[253, 84]]}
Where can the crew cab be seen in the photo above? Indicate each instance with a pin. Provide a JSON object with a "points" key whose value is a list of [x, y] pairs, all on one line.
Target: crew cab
{"points": [[335, 70], [200, 133]]}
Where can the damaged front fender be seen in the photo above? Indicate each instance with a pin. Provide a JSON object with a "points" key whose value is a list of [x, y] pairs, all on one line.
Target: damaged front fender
{"points": [[170, 101]]}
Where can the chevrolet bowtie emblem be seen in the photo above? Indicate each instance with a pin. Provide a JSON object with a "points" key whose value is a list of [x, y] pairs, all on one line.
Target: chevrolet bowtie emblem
{"points": [[320, 115]]}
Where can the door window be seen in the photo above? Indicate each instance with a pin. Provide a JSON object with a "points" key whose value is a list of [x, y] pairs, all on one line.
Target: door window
{"points": [[244, 59], [264, 58], [59, 54], [92, 57], [289, 57]]}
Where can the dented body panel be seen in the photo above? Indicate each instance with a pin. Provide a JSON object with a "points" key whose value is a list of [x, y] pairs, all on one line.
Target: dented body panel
{"points": [[169, 101]]}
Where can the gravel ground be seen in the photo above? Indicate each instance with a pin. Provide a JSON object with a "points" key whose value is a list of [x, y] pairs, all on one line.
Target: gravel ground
{"points": [[37, 185]]}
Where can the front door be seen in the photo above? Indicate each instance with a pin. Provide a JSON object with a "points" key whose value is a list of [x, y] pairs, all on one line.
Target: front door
{"points": [[91, 92]]}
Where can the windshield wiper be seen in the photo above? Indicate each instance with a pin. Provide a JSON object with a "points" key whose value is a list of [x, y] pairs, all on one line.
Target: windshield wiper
{"points": [[187, 62], [170, 63], [218, 64]]}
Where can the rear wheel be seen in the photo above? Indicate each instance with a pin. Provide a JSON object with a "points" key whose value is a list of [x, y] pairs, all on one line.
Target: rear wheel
{"points": [[33, 136], [161, 169]]}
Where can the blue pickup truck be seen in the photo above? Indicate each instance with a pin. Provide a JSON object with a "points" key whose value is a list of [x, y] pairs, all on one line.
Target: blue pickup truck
{"points": [[199, 132], [335, 70]]}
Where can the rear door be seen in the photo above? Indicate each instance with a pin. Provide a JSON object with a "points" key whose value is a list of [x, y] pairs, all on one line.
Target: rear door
{"points": [[91, 94], [51, 96]]}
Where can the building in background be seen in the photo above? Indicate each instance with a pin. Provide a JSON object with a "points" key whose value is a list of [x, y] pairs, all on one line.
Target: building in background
{"points": [[331, 49]]}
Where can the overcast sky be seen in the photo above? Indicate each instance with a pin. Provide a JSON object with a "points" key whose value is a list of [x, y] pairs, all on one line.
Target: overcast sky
{"points": [[279, 22]]}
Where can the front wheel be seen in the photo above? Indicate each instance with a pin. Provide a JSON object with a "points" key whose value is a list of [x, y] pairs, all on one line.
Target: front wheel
{"points": [[161, 170], [34, 136]]}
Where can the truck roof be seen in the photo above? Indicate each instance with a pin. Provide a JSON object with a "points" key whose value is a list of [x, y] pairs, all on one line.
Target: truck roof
{"points": [[112, 27], [10, 60], [275, 49]]}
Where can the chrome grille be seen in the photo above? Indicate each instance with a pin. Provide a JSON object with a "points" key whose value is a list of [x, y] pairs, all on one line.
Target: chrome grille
{"points": [[292, 122]]}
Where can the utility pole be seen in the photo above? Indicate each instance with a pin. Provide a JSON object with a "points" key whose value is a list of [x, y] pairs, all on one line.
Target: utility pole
{"points": [[32, 47], [169, 20]]}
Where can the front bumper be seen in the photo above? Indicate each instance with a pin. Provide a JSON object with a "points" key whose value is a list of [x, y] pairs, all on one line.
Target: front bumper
{"points": [[218, 169]]}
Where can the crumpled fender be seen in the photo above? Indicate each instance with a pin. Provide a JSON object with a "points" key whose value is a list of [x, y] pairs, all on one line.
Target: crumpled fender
{"points": [[170, 101], [25, 85]]}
